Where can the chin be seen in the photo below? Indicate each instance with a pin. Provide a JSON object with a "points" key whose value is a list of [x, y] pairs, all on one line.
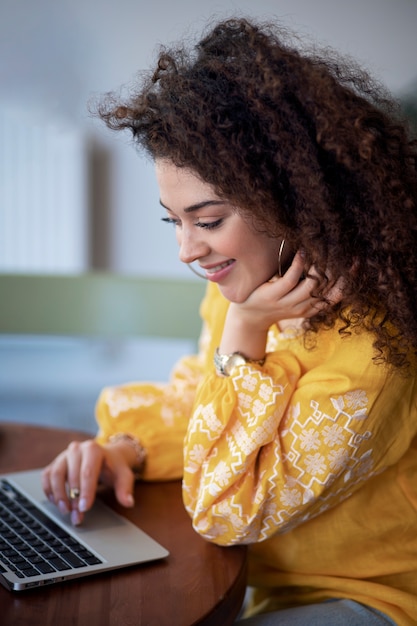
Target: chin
{"points": [[232, 296]]}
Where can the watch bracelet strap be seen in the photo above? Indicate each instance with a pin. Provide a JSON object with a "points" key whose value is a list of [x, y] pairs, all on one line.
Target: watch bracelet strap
{"points": [[219, 360], [140, 451]]}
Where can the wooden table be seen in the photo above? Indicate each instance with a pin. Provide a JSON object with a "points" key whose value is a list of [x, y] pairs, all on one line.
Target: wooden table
{"points": [[199, 583]]}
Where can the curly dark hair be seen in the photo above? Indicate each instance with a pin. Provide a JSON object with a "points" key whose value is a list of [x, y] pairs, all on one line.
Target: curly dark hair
{"points": [[308, 146]]}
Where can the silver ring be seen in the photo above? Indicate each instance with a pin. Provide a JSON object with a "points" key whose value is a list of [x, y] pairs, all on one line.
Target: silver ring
{"points": [[74, 493]]}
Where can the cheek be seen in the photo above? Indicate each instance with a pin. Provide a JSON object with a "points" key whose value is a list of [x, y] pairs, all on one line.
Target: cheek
{"points": [[271, 255], [287, 257]]}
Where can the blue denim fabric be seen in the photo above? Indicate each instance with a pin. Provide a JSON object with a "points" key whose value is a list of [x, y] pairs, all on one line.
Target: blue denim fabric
{"points": [[331, 613]]}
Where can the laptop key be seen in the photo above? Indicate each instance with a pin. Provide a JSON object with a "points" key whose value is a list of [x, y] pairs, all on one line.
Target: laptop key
{"points": [[72, 559], [92, 560], [24, 566], [58, 564], [32, 544], [29, 572], [44, 567]]}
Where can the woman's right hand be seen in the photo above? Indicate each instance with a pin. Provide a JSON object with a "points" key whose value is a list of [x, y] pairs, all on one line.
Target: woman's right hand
{"points": [[288, 297], [80, 468]]}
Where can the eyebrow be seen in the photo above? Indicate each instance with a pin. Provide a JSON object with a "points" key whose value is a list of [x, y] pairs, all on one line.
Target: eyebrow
{"points": [[197, 206]]}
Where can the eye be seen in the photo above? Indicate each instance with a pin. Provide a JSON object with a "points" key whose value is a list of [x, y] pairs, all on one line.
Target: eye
{"points": [[209, 225], [171, 220]]}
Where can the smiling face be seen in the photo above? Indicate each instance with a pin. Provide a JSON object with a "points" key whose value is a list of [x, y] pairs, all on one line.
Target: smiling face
{"points": [[213, 233]]}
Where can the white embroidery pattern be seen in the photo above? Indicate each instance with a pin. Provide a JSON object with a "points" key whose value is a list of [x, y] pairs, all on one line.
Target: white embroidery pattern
{"points": [[306, 453], [175, 399]]}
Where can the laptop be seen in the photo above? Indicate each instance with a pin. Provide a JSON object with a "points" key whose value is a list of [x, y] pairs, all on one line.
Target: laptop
{"points": [[39, 546]]}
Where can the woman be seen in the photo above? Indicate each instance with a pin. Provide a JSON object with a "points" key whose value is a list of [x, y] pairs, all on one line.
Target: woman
{"points": [[291, 182]]}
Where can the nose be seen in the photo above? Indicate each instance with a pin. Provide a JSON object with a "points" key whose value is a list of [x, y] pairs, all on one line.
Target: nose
{"points": [[192, 246]]}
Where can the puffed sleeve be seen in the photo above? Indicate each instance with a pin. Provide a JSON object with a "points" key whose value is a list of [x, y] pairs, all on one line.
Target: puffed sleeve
{"points": [[156, 414], [270, 447]]}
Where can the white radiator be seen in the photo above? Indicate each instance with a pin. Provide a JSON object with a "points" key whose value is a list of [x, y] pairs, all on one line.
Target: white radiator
{"points": [[43, 196]]}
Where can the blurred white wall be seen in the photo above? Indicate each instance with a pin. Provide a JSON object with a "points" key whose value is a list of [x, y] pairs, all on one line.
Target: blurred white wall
{"points": [[56, 54]]}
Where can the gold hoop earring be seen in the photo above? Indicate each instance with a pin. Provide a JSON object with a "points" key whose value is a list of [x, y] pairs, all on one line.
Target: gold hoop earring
{"points": [[281, 248], [195, 272]]}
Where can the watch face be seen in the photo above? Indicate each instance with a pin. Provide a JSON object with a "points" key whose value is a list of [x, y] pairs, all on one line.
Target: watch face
{"points": [[233, 361]]}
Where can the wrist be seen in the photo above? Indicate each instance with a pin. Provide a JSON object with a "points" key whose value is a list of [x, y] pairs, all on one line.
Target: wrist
{"points": [[247, 319], [135, 453], [239, 336]]}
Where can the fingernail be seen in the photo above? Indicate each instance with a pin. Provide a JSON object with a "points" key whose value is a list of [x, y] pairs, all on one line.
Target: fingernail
{"points": [[75, 517], [129, 500], [62, 507], [82, 505]]}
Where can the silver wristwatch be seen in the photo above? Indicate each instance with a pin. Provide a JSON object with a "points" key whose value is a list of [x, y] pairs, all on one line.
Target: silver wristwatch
{"points": [[226, 363]]}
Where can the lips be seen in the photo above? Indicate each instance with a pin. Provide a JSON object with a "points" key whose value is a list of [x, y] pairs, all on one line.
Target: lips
{"points": [[216, 268], [218, 273]]}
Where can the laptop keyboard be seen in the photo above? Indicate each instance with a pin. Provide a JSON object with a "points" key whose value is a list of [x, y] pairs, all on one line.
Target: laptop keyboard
{"points": [[31, 543]]}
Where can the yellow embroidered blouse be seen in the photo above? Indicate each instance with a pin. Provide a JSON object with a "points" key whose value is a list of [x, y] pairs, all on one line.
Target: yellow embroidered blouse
{"points": [[311, 459]]}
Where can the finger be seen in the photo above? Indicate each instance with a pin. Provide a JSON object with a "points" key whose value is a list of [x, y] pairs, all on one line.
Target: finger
{"points": [[293, 273], [300, 288], [334, 289], [46, 483], [74, 461], [54, 481], [92, 460], [335, 294], [70, 481], [300, 301], [84, 464], [74, 456], [117, 473], [315, 305], [124, 480], [295, 270], [311, 281]]}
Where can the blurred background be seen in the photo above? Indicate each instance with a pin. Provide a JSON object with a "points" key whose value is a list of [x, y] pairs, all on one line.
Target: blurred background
{"points": [[74, 197]]}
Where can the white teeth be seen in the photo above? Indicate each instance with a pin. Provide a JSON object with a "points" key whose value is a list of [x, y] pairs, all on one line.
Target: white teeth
{"points": [[218, 267]]}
